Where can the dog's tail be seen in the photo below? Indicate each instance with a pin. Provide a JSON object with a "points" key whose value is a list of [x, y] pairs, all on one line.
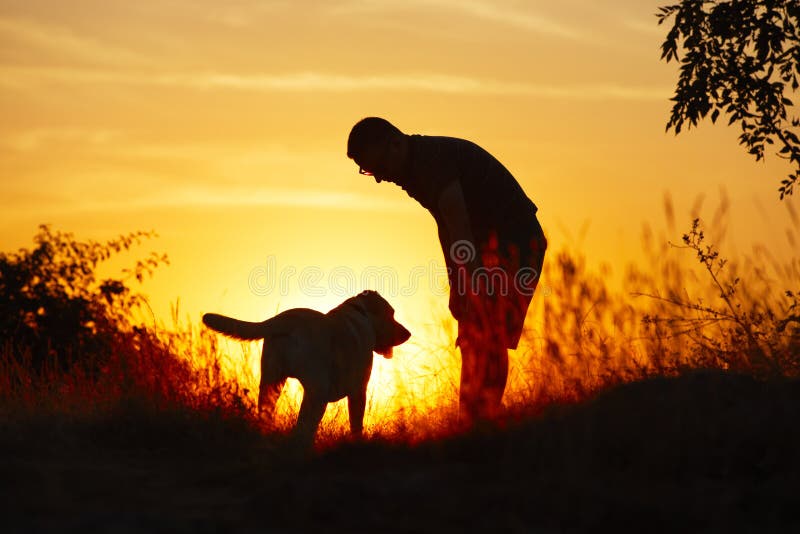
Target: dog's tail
{"points": [[235, 328]]}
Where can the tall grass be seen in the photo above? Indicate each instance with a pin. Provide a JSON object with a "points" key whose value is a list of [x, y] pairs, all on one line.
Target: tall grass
{"points": [[686, 307]]}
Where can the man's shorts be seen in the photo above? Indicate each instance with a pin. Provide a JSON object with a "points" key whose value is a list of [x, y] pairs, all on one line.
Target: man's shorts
{"points": [[492, 309]]}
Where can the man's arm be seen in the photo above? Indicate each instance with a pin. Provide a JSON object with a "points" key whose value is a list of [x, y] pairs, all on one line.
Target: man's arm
{"points": [[455, 217], [457, 228]]}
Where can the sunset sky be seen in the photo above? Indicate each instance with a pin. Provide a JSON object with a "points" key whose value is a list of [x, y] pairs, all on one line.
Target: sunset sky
{"points": [[222, 126]]}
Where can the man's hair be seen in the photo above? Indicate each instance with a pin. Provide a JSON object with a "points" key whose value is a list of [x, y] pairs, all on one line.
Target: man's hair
{"points": [[370, 132]]}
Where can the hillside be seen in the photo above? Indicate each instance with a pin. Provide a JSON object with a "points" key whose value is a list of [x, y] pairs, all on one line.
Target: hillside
{"points": [[705, 452]]}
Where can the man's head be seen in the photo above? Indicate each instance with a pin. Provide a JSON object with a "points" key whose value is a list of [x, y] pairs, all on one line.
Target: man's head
{"points": [[378, 148]]}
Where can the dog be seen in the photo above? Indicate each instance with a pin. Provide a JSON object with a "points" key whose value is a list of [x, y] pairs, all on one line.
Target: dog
{"points": [[329, 353]]}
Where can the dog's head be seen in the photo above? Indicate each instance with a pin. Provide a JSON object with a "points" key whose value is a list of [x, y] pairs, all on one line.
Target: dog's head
{"points": [[388, 332]]}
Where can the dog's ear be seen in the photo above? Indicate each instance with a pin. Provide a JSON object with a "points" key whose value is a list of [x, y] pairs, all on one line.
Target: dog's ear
{"points": [[399, 336]]}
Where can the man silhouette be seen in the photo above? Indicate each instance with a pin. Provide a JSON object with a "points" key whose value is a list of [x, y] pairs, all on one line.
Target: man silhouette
{"points": [[492, 242]]}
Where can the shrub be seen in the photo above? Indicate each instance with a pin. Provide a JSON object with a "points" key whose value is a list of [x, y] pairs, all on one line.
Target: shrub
{"points": [[737, 320], [54, 312]]}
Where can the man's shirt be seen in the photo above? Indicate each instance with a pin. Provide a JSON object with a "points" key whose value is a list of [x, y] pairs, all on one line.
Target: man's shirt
{"points": [[493, 200]]}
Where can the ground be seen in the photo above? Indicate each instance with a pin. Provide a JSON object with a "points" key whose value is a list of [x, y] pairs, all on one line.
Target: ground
{"points": [[707, 452]]}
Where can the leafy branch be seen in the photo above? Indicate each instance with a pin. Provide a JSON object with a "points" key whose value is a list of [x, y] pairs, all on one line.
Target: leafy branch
{"points": [[741, 58]]}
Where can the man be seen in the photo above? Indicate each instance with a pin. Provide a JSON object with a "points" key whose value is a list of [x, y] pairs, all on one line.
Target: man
{"points": [[492, 242]]}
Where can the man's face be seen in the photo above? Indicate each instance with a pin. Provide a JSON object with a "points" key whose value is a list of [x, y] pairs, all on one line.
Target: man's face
{"points": [[381, 162]]}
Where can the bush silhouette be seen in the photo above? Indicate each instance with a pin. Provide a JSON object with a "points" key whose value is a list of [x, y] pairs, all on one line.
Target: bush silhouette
{"points": [[54, 312], [729, 318]]}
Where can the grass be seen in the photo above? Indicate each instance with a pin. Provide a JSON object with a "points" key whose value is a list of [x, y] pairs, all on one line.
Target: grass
{"points": [[673, 410], [707, 451]]}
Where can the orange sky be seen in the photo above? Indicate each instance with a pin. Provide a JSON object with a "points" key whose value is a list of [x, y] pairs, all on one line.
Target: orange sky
{"points": [[222, 125]]}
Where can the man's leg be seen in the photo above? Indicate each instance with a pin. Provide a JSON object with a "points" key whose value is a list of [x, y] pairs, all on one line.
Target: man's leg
{"points": [[469, 394], [494, 324], [494, 383], [484, 372]]}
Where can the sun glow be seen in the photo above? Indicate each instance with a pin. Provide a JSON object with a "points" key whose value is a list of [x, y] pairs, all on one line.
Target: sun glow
{"points": [[222, 126], [412, 395], [418, 384]]}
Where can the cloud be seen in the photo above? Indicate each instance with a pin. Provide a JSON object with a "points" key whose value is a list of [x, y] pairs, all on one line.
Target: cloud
{"points": [[225, 198], [59, 41], [526, 20], [333, 83], [39, 138], [648, 27], [276, 197], [502, 13]]}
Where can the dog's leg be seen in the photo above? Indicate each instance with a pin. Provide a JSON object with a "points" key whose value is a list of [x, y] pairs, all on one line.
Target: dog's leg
{"points": [[272, 377], [311, 411], [356, 405], [268, 394]]}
